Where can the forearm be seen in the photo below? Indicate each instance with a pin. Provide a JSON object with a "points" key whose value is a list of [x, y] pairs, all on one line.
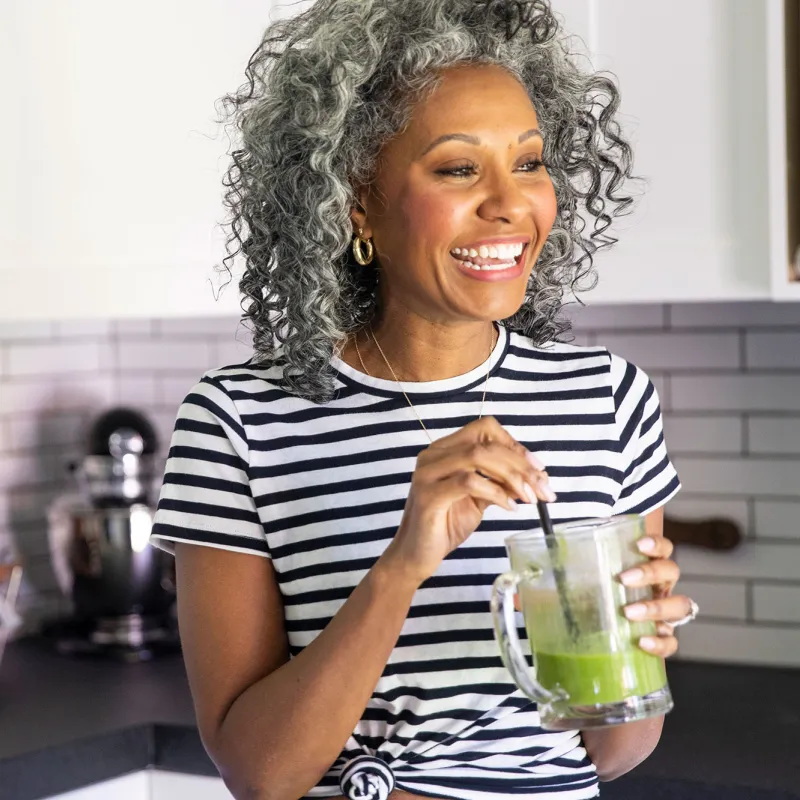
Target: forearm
{"points": [[617, 749], [283, 733]]}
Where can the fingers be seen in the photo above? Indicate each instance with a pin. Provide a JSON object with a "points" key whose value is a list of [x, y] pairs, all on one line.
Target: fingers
{"points": [[663, 646], [657, 571], [470, 484], [663, 610], [491, 461], [655, 546]]}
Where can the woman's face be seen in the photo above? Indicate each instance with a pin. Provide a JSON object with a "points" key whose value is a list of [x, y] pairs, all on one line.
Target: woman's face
{"points": [[461, 188]]}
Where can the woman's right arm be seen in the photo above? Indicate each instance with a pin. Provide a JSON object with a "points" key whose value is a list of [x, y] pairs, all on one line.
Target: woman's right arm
{"points": [[273, 727]]}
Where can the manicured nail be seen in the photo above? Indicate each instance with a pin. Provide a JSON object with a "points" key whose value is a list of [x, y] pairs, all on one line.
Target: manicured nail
{"points": [[631, 577], [646, 545], [512, 505], [530, 494], [549, 494], [533, 461], [636, 611], [648, 643]]}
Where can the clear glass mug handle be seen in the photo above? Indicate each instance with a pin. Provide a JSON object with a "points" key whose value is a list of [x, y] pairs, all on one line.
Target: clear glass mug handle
{"points": [[505, 626]]}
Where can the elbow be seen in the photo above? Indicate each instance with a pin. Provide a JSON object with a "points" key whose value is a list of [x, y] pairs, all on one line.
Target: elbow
{"points": [[619, 749]]}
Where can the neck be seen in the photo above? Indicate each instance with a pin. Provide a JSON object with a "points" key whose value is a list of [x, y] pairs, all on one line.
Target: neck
{"points": [[422, 350]]}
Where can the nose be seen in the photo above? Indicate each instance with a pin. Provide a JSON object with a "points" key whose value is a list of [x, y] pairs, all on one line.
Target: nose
{"points": [[505, 200]]}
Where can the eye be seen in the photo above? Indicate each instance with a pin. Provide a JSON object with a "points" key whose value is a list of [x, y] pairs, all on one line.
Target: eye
{"points": [[532, 165], [466, 170]]}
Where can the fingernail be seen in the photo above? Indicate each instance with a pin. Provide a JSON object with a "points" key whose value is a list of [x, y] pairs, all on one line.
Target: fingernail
{"points": [[646, 545], [530, 494], [648, 643], [631, 577], [512, 505], [636, 611], [549, 494], [533, 461]]}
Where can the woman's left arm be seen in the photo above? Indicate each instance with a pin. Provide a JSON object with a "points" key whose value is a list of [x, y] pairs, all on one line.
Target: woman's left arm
{"points": [[617, 749]]}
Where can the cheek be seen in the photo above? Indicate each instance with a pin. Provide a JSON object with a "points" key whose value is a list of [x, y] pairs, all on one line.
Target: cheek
{"points": [[545, 208], [429, 218]]}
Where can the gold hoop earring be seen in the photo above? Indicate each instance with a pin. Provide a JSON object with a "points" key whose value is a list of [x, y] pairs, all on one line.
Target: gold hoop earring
{"points": [[358, 251]]}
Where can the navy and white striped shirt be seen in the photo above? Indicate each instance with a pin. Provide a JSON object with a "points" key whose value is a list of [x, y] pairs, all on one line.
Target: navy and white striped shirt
{"points": [[320, 489]]}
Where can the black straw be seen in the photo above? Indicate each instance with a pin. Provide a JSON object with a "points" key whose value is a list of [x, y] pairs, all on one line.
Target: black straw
{"points": [[558, 570]]}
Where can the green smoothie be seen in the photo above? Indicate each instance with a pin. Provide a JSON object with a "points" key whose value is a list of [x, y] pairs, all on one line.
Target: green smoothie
{"points": [[601, 677]]}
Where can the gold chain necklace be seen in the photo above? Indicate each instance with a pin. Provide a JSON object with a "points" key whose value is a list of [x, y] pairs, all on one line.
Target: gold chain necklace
{"points": [[372, 333]]}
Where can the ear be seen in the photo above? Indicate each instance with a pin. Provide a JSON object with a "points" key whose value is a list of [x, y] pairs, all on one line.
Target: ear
{"points": [[358, 214]]}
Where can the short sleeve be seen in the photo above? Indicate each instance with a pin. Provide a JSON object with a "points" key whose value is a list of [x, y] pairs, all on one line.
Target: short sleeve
{"points": [[206, 497], [649, 480]]}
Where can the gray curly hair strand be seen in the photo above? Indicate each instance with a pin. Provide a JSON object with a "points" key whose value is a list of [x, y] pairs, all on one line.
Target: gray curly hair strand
{"points": [[325, 90]]}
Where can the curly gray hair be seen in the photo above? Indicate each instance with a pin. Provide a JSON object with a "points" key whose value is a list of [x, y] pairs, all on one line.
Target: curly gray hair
{"points": [[325, 90]]}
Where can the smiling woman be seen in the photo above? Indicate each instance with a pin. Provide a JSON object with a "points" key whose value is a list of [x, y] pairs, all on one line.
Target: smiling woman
{"points": [[410, 197]]}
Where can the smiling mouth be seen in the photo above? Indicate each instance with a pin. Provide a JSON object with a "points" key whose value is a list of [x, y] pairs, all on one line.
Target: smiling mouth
{"points": [[507, 258]]}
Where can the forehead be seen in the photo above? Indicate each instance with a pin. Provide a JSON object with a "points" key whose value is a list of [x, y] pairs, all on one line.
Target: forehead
{"points": [[477, 97]]}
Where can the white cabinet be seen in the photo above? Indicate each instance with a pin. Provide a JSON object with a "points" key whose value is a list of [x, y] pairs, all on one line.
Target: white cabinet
{"points": [[700, 80], [153, 785], [114, 156], [111, 197]]}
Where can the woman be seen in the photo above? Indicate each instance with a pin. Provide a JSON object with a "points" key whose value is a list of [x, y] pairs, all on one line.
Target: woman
{"points": [[411, 181]]}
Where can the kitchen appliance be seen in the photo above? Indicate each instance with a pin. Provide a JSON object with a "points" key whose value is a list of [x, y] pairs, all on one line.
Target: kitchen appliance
{"points": [[122, 588], [10, 580]]}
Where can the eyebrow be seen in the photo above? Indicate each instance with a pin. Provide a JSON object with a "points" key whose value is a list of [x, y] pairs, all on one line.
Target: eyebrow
{"points": [[463, 137]]}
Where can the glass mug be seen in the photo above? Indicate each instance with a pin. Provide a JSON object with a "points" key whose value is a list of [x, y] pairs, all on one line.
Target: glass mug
{"points": [[588, 670]]}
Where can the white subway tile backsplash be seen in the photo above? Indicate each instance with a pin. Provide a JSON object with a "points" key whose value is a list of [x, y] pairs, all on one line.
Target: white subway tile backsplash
{"points": [[137, 390], [686, 507], [776, 603], [56, 393], [21, 331], [66, 329], [229, 351], [736, 392], [172, 389], [25, 359], [31, 469], [751, 559], [676, 351], [726, 600], [774, 435], [616, 317], [773, 350], [46, 430], [133, 327], [201, 326], [745, 475], [735, 315], [735, 643], [158, 356], [703, 433], [728, 376], [778, 519]]}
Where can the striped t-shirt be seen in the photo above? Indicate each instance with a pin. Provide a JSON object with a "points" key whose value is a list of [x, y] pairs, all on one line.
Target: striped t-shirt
{"points": [[320, 489]]}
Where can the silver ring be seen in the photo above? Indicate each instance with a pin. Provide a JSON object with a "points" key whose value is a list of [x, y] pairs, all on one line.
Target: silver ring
{"points": [[691, 616]]}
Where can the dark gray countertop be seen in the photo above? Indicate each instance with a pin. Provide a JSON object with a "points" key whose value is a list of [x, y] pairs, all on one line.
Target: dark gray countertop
{"points": [[69, 722]]}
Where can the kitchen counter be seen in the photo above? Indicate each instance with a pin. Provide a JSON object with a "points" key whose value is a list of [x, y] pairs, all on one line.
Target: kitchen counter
{"points": [[69, 722]]}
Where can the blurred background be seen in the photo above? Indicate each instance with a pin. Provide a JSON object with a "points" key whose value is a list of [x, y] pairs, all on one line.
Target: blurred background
{"points": [[112, 305]]}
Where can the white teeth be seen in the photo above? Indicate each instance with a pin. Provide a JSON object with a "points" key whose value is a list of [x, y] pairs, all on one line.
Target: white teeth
{"points": [[483, 251], [493, 267], [473, 253], [492, 252], [506, 252]]}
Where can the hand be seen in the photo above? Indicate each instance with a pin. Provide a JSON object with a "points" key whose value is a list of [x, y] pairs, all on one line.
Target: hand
{"points": [[662, 574], [455, 480]]}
